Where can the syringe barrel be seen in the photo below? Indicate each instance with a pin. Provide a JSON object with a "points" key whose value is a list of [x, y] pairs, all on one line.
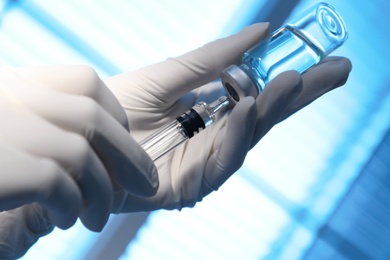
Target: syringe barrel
{"points": [[171, 135], [184, 127], [164, 140]]}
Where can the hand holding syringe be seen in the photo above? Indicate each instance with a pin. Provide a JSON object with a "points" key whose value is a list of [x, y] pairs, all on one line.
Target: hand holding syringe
{"points": [[299, 45]]}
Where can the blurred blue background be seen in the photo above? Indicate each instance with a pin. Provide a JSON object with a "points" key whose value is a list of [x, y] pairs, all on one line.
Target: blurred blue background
{"points": [[316, 187]]}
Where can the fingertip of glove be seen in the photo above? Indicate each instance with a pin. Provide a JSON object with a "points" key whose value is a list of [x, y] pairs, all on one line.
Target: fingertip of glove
{"points": [[340, 61], [338, 68], [152, 183], [257, 29], [63, 220], [259, 26], [145, 181], [93, 220], [345, 68], [347, 64]]}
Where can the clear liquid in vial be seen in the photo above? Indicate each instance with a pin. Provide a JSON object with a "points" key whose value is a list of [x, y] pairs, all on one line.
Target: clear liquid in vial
{"points": [[288, 49]]}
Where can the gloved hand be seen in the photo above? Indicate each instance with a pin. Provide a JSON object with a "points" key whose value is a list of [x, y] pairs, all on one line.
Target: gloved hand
{"points": [[65, 149], [155, 95]]}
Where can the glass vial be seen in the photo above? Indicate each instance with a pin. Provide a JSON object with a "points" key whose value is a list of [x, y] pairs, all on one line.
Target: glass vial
{"points": [[298, 45]]}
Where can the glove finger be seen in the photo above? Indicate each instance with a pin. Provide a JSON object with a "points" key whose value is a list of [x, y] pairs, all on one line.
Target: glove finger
{"points": [[30, 133], [234, 145], [273, 100], [163, 83], [331, 73], [26, 179], [123, 158], [76, 80], [16, 237]]}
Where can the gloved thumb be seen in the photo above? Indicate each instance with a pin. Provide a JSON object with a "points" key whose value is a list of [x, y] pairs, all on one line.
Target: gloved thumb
{"points": [[170, 79]]}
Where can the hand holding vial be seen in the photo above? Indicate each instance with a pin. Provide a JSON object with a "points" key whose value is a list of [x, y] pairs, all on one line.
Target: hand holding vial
{"points": [[203, 163], [299, 45]]}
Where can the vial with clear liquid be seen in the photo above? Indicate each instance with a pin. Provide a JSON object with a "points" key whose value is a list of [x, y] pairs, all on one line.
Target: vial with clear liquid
{"points": [[299, 45]]}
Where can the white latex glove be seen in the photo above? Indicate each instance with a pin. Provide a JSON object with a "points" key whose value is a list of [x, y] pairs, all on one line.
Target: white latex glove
{"points": [[64, 147], [155, 95]]}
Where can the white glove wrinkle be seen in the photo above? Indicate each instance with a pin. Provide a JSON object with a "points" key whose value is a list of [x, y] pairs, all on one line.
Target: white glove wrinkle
{"points": [[15, 236], [175, 178]]}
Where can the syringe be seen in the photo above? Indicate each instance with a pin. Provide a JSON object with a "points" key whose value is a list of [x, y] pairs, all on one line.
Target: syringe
{"points": [[183, 128]]}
